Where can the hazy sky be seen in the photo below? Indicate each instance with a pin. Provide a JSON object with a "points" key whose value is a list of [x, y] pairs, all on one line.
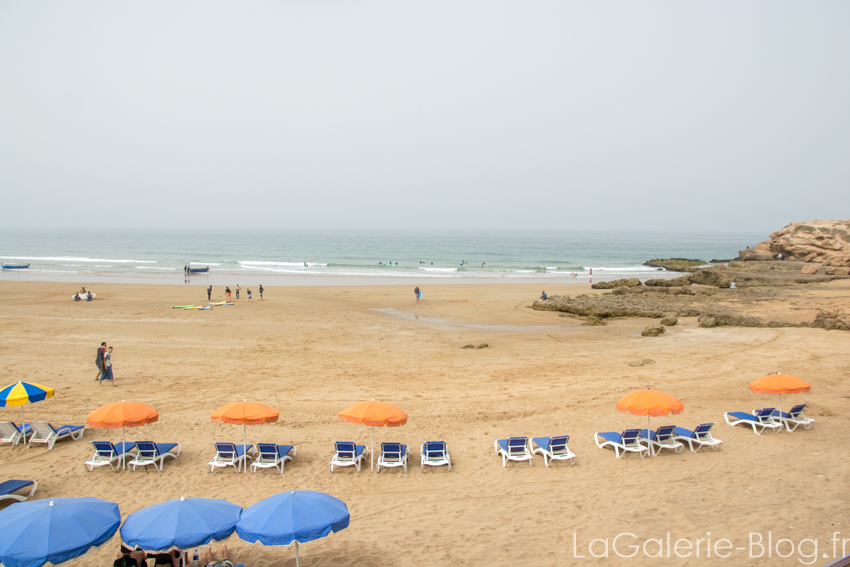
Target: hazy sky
{"points": [[722, 115]]}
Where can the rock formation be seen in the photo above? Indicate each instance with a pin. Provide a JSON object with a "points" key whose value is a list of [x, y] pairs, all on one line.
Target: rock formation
{"points": [[625, 282], [824, 242], [675, 264]]}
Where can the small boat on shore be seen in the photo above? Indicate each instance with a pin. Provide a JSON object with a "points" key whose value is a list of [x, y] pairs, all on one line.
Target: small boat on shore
{"points": [[15, 266], [198, 270]]}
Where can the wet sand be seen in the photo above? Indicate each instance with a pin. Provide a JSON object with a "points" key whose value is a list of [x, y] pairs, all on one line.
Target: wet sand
{"points": [[311, 351]]}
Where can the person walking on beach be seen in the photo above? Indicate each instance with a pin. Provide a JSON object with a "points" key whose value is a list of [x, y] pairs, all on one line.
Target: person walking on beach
{"points": [[99, 359], [237, 291], [261, 292], [418, 293], [227, 293], [209, 293], [107, 368]]}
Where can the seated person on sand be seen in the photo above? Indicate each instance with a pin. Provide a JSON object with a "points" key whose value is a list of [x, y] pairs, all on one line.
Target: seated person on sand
{"points": [[171, 558], [544, 296], [130, 558], [209, 558], [77, 297]]}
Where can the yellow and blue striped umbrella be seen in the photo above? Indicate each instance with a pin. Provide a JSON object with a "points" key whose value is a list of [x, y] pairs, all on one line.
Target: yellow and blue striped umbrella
{"points": [[22, 393]]}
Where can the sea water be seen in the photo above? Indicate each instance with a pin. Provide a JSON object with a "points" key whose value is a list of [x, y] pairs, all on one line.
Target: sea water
{"points": [[345, 257]]}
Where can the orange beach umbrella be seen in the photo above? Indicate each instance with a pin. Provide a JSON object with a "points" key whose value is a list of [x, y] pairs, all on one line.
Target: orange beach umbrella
{"points": [[122, 414], [650, 403], [779, 384], [245, 413], [374, 413]]}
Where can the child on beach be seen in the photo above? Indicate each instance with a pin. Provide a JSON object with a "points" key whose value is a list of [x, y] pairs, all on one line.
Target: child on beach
{"points": [[261, 292], [237, 291], [107, 368], [227, 293], [249, 295]]}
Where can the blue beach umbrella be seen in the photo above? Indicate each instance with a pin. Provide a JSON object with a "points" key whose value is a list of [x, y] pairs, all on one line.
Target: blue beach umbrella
{"points": [[21, 393], [33, 533], [298, 516], [181, 524]]}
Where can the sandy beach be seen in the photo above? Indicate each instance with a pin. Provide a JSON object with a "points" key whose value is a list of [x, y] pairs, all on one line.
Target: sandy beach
{"points": [[312, 351]]}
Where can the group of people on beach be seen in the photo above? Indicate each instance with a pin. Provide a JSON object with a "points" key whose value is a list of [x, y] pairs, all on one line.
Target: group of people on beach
{"points": [[139, 558], [83, 294], [228, 293], [103, 361]]}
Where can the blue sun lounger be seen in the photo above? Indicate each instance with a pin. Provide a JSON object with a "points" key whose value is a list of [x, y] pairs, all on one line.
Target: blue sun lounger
{"points": [[10, 486], [44, 432], [150, 453], [348, 454], [628, 442], [230, 455], [699, 436], [661, 438], [434, 454], [762, 419], [105, 453], [554, 449], [11, 433], [272, 456], [514, 449], [392, 455], [794, 417]]}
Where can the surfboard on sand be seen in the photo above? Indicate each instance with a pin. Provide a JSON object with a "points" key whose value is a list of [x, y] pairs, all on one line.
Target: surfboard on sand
{"points": [[221, 303], [181, 306]]}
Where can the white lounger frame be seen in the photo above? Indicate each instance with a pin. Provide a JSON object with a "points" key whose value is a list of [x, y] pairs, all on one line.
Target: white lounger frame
{"points": [[144, 462], [394, 461], [525, 455], [43, 432], [758, 425], [19, 497], [278, 462], [639, 449]]}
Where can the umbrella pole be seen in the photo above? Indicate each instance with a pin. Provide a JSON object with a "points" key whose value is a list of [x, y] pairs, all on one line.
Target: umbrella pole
{"points": [[780, 410], [245, 445], [649, 433], [372, 454], [297, 561], [24, 426], [123, 445]]}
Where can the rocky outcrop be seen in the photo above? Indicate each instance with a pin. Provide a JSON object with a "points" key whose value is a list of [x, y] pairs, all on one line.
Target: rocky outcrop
{"points": [[675, 264], [669, 320], [625, 282], [653, 331], [825, 242], [681, 281], [832, 320]]}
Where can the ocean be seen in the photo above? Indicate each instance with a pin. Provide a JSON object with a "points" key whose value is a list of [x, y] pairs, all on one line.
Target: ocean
{"points": [[305, 257]]}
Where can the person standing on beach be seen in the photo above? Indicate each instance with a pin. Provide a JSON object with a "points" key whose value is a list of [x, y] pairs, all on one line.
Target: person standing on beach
{"points": [[261, 292], [99, 359], [107, 368], [418, 293], [209, 293], [249, 295], [237, 291], [227, 293]]}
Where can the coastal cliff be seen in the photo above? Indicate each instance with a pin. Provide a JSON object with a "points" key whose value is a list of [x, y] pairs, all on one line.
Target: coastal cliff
{"points": [[820, 241]]}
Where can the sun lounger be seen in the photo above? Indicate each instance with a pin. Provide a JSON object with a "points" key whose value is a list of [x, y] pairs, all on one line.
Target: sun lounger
{"points": [[348, 454], [661, 438], [514, 449], [435, 454], [794, 418], [699, 436], [150, 453], [230, 455], [105, 453], [10, 486], [44, 432], [392, 455], [626, 442], [11, 433], [554, 449], [272, 456], [759, 421]]}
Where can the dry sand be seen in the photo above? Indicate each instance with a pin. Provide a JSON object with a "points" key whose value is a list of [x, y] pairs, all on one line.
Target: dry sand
{"points": [[310, 352]]}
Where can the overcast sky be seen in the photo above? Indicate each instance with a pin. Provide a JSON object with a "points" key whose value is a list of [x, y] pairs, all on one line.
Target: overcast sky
{"points": [[722, 115]]}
